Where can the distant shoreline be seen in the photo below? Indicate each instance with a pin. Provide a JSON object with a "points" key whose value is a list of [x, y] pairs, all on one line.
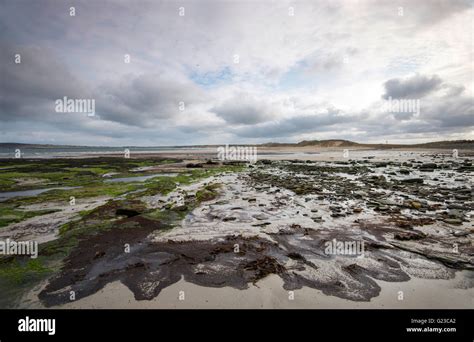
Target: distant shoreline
{"points": [[207, 153], [330, 143]]}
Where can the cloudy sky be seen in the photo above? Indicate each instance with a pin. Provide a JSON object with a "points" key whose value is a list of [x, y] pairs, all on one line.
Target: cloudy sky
{"points": [[205, 72]]}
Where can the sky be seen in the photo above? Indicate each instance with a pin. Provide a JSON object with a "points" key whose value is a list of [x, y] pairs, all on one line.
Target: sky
{"points": [[227, 72]]}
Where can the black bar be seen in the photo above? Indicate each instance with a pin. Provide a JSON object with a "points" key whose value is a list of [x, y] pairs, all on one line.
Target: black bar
{"points": [[318, 325]]}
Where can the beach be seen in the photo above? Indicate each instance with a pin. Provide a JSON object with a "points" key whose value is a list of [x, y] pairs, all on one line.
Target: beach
{"points": [[183, 229]]}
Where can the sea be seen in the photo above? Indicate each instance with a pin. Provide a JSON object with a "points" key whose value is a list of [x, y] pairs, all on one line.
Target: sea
{"points": [[77, 151]]}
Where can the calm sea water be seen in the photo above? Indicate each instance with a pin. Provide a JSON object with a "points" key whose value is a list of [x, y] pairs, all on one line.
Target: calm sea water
{"points": [[65, 151], [71, 151], [27, 193]]}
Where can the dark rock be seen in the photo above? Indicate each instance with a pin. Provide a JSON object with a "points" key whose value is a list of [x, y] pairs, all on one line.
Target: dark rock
{"points": [[99, 254], [460, 233], [413, 181], [412, 235], [126, 212], [453, 221], [193, 165], [226, 219]]}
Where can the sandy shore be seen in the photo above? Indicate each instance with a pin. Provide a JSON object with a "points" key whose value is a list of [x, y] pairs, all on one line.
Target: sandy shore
{"points": [[285, 153], [456, 293]]}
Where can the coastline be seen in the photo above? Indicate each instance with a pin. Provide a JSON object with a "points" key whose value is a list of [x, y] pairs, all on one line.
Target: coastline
{"points": [[448, 288]]}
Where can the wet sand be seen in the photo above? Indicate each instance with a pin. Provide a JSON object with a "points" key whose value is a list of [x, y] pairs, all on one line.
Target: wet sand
{"points": [[457, 293]]}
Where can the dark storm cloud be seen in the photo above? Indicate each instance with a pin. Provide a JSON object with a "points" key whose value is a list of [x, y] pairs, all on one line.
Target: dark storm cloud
{"points": [[140, 100], [22, 21], [453, 112], [297, 125], [244, 109], [35, 83], [29, 89], [442, 105], [414, 87]]}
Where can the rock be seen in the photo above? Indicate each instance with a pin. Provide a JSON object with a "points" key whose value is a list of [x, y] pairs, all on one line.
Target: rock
{"points": [[107, 175], [99, 254], [453, 260], [428, 166], [457, 206], [260, 216], [138, 264], [227, 219], [192, 165], [337, 214], [454, 213], [413, 181], [460, 233], [263, 224], [263, 267], [453, 221], [412, 235], [463, 197], [295, 256], [404, 225], [126, 212], [360, 194]]}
